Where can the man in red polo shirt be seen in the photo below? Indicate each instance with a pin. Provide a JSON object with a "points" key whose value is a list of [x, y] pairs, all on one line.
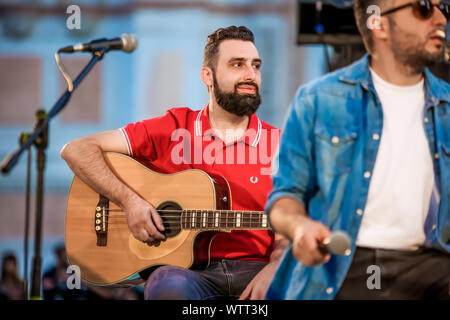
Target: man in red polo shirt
{"points": [[226, 138]]}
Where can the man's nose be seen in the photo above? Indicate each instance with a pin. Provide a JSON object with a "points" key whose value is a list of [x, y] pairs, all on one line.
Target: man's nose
{"points": [[250, 73], [438, 17]]}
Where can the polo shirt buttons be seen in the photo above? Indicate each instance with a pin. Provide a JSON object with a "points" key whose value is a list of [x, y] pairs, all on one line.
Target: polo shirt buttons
{"points": [[376, 136], [329, 290], [367, 174], [359, 212]]}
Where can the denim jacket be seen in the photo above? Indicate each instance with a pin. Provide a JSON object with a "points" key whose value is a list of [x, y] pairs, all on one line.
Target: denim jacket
{"points": [[326, 157]]}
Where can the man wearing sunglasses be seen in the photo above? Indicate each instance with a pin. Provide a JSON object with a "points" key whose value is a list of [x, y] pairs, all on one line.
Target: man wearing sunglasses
{"points": [[366, 150]]}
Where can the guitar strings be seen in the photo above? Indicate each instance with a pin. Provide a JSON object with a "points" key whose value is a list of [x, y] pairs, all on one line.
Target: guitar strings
{"points": [[184, 219], [188, 222], [199, 211], [201, 221], [187, 217], [192, 218], [204, 229]]}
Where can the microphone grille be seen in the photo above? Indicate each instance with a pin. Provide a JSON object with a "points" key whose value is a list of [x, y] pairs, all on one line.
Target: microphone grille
{"points": [[129, 42], [339, 243]]}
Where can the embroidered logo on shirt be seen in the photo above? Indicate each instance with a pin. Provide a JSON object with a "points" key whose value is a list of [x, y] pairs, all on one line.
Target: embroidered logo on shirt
{"points": [[253, 179]]}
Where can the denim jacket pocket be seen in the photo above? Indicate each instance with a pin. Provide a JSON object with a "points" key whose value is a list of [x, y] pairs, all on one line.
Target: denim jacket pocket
{"points": [[335, 147]]}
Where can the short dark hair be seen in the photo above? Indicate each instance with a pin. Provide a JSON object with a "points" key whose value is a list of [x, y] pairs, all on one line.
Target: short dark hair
{"points": [[215, 38], [361, 17]]}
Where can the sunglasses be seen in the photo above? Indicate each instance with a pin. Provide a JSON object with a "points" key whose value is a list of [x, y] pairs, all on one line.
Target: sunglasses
{"points": [[423, 9]]}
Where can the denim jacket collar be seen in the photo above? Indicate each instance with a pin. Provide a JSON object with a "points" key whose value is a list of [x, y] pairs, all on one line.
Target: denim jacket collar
{"points": [[360, 73], [435, 89]]}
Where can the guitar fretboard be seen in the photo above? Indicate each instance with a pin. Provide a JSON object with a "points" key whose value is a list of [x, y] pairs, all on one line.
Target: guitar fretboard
{"points": [[224, 219]]}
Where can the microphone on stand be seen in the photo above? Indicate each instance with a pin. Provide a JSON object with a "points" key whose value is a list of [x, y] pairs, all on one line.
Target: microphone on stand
{"points": [[126, 42]]}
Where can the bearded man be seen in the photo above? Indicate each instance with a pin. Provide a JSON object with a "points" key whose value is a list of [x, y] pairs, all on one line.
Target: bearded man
{"points": [[366, 150], [242, 263]]}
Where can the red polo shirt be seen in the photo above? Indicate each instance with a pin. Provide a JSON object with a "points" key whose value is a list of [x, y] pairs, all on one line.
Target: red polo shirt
{"points": [[183, 139]]}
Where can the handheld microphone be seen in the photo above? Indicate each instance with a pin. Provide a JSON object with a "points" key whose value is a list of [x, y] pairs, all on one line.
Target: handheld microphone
{"points": [[337, 243], [126, 42]]}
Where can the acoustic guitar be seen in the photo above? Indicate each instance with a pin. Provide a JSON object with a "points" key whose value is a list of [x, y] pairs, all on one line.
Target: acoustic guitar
{"points": [[193, 205]]}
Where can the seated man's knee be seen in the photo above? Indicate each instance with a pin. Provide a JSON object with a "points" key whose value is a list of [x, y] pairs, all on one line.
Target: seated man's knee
{"points": [[171, 283]]}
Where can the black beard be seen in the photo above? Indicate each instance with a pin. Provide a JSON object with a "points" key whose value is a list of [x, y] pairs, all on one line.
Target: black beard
{"points": [[235, 103], [412, 54]]}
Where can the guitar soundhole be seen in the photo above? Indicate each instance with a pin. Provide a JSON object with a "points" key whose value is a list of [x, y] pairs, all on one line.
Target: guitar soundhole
{"points": [[170, 213]]}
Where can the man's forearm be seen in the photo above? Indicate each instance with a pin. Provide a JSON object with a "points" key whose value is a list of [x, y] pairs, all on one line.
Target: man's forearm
{"points": [[86, 160], [285, 216]]}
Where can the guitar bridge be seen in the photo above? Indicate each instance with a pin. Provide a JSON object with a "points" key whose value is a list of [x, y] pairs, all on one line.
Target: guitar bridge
{"points": [[101, 221]]}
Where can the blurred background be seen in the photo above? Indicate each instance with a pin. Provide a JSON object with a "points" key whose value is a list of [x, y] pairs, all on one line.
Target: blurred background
{"points": [[298, 41]]}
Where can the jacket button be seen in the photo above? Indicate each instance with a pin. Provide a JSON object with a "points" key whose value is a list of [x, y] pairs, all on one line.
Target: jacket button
{"points": [[367, 174], [335, 139], [329, 290]]}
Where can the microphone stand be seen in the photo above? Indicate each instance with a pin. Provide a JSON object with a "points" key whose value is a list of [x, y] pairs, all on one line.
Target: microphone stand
{"points": [[23, 138], [39, 138]]}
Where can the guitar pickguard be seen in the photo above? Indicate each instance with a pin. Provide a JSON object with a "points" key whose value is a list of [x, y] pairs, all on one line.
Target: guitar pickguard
{"points": [[145, 252]]}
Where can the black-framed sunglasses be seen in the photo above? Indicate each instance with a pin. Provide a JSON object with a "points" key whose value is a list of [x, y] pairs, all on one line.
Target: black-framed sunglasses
{"points": [[423, 9]]}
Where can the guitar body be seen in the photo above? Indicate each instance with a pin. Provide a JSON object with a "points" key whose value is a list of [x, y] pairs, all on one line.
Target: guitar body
{"points": [[99, 241]]}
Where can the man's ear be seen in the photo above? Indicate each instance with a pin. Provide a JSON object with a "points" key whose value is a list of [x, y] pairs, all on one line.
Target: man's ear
{"points": [[207, 77], [382, 32]]}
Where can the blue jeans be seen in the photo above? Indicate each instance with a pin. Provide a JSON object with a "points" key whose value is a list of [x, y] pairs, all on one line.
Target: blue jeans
{"points": [[226, 279]]}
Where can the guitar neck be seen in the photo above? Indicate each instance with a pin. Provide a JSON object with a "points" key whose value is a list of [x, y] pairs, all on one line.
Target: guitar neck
{"points": [[224, 219]]}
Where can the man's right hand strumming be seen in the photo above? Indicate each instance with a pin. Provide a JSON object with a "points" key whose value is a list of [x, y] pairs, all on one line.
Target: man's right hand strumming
{"points": [[144, 221]]}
